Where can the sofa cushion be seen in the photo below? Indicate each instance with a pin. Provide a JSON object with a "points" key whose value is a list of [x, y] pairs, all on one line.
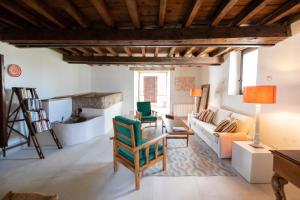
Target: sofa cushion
{"points": [[221, 125], [206, 126], [220, 115], [244, 123], [231, 127]]}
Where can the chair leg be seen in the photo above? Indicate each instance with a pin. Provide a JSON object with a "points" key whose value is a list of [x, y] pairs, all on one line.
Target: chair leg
{"points": [[165, 154], [116, 165], [137, 180]]}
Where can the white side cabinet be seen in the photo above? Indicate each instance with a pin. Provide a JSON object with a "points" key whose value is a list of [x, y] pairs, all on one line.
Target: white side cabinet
{"points": [[254, 164]]}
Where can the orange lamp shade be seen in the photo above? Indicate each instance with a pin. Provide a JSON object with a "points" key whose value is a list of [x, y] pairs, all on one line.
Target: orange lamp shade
{"points": [[265, 94], [195, 92]]}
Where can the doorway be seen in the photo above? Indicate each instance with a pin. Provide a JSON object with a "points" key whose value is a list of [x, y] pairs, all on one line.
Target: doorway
{"points": [[153, 86]]}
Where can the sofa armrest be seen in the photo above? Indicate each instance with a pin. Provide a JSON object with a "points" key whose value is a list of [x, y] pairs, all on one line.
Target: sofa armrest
{"points": [[225, 142]]}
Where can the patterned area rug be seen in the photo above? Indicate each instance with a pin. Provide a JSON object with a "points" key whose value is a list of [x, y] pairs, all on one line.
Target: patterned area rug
{"points": [[195, 160]]}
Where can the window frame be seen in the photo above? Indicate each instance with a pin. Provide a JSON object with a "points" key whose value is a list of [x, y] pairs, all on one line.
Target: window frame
{"points": [[243, 52]]}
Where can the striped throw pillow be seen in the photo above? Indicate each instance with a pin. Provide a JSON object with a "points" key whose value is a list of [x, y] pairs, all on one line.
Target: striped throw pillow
{"points": [[231, 127], [221, 125], [202, 115], [209, 116]]}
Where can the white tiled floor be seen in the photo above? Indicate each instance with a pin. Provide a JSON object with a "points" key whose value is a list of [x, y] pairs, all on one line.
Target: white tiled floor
{"points": [[85, 172]]}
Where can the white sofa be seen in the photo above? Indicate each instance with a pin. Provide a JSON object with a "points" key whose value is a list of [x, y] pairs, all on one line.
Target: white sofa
{"points": [[221, 143]]}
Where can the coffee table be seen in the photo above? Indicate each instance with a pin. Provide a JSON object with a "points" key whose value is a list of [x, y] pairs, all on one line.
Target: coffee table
{"points": [[169, 123]]}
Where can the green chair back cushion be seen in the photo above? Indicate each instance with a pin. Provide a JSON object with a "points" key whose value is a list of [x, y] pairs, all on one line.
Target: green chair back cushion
{"points": [[144, 108], [125, 131]]}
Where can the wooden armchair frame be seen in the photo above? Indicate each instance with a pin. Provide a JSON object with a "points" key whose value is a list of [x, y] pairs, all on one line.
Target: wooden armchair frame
{"points": [[139, 117], [135, 166]]}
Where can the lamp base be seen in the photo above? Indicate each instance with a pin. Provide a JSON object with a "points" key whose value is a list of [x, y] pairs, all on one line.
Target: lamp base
{"points": [[258, 146]]}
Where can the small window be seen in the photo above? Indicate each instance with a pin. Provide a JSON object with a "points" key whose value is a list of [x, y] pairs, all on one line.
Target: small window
{"points": [[249, 68], [242, 70]]}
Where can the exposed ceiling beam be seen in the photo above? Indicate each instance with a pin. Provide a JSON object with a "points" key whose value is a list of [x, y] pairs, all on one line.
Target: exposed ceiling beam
{"points": [[143, 60], [98, 50], [128, 51], [133, 13], [84, 50], [10, 22], [250, 11], [281, 12], [74, 12], [195, 8], [156, 52], [162, 12], [189, 51], [17, 10], [172, 51], [220, 51], [103, 11], [206, 51], [223, 12], [112, 51], [73, 51], [219, 36], [41, 8], [143, 51]]}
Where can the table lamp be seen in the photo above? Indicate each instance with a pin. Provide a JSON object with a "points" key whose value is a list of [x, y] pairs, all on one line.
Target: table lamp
{"points": [[265, 94], [195, 92]]}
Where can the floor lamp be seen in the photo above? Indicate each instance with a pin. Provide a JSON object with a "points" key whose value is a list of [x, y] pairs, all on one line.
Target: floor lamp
{"points": [[265, 94], [195, 92]]}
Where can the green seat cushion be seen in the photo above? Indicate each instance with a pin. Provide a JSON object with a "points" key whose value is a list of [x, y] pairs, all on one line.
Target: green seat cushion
{"points": [[144, 108], [129, 156], [125, 131], [149, 118]]}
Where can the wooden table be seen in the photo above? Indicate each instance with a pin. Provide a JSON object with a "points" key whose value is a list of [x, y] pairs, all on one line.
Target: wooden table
{"points": [[286, 166], [169, 123]]}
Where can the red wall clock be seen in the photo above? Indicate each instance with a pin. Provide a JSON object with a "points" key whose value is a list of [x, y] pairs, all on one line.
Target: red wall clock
{"points": [[14, 70]]}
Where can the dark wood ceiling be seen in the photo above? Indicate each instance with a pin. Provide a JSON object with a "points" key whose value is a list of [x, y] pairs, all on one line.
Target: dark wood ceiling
{"points": [[229, 25]]}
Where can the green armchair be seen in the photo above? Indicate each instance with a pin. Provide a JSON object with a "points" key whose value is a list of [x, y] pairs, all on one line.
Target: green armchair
{"points": [[145, 114], [134, 152]]}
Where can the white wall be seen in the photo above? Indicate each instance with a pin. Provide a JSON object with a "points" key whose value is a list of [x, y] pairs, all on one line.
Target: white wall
{"points": [[280, 123], [44, 69], [115, 79]]}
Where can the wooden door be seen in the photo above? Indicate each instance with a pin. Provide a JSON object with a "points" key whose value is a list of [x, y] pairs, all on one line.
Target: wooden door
{"points": [[150, 89], [3, 105]]}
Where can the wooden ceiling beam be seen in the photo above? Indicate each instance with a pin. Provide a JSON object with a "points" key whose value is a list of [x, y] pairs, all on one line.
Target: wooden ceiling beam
{"points": [[133, 13], [112, 51], [162, 12], [62, 51], [84, 51], [103, 11], [156, 51], [281, 12], [189, 51], [75, 13], [44, 10], [221, 14], [192, 14], [220, 51], [73, 51], [17, 10], [249, 11], [143, 60], [172, 52], [10, 22], [128, 51], [143, 51], [98, 50], [206, 51], [219, 36]]}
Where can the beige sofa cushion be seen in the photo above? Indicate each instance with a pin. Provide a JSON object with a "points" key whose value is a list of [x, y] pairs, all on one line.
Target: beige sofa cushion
{"points": [[220, 115], [244, 123]]}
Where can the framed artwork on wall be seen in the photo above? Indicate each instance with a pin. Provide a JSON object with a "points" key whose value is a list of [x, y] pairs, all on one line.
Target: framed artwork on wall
{"points": [[184, 83], [203, 103]]}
